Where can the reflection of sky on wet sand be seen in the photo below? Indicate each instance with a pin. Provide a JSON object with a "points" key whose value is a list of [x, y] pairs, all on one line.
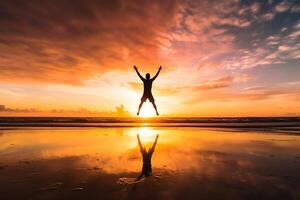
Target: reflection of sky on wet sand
{"points": [[186, 161]]}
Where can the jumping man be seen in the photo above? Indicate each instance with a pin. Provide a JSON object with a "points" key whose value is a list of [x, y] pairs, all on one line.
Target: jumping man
{"points": [[147, 89]]}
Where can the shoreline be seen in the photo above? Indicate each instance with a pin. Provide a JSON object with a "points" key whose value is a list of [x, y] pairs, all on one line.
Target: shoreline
{"points": [[124, 125], [240, 122], [277, 128]]}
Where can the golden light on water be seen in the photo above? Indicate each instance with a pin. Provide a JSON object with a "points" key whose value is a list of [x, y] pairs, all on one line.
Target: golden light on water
{"points": [[181, 155], [147, 134], [119, 149]]}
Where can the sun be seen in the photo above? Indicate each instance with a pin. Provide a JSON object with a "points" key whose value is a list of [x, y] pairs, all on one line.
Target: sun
{"points": [[147, 110]]}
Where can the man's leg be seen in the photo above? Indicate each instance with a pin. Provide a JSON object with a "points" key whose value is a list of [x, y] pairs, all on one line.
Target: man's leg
{"points": [[153, 103], [140, 106]]}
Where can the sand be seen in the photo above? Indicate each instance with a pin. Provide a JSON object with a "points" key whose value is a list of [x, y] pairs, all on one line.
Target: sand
{"points": [[188, 163]]}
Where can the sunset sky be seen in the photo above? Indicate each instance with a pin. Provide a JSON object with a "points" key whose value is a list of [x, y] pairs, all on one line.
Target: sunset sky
{"points": [[219, 58]]}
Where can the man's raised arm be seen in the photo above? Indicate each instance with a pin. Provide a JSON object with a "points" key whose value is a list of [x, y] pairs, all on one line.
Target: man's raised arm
{"points": [[138, 73], [140, 144], [151, 150], [156, 73]]}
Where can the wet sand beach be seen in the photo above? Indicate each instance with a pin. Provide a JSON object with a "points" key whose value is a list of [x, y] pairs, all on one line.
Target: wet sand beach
{"points": [[188, 163]]}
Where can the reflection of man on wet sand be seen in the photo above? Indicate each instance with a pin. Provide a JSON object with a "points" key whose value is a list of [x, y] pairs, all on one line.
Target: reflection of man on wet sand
{"points": [[147, 155], [147, 167]]}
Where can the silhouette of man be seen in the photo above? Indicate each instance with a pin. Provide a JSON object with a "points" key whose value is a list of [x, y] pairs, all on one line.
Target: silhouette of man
{"points": [[147, 167], [147, 156], [147, 89]]}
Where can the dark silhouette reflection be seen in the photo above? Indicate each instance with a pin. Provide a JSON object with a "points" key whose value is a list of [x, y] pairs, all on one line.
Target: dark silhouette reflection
{"points": [[147, 156], [147, 89]]}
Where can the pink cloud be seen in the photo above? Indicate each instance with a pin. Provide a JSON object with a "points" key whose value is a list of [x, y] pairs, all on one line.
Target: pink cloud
{"points": [[283, 6]]}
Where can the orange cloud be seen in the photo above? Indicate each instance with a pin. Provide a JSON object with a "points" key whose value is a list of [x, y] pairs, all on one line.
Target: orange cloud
{"points": [[119, 111], [70, 42], [62, 42], [288, 92], [214, 84]]}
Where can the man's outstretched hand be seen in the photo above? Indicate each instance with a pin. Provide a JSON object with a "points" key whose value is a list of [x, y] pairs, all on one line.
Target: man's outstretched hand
{"points": [[135, 67], [160, 67]]}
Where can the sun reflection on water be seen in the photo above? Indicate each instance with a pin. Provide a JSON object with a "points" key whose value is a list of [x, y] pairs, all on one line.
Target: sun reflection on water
{"points": [[146, 134]]}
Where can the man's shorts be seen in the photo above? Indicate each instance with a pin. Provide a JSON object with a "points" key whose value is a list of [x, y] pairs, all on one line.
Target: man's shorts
{"points": [[145, 97]]}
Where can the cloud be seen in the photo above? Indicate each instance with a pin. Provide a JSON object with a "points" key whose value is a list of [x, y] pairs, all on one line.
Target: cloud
{"points": [[283, 6], [3, 108], [288, 91], [119, 111], [295, 9], [135, 86], [278, 48], [228, 33], [70, 42], [268, 16], [63, 42], [215, 84]]}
